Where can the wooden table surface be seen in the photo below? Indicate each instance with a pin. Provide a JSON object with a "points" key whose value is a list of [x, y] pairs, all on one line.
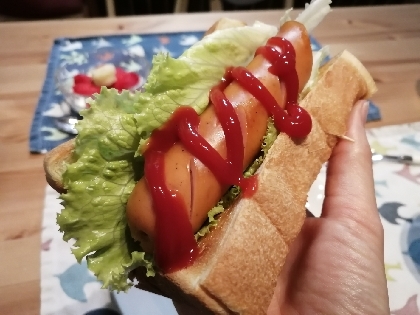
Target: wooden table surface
{"points": [[386, 39]]}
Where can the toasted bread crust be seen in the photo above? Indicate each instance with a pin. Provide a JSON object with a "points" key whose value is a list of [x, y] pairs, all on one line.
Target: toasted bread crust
{"points": [[55, 163], [241, 258], [224, 23]]}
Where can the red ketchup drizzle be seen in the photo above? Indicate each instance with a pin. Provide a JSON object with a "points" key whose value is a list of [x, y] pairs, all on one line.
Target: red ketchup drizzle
{"points": [[175, 246], [296, 123]]}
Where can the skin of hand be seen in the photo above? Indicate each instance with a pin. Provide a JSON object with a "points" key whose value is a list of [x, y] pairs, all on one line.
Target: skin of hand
{"points": [[336, 265]]}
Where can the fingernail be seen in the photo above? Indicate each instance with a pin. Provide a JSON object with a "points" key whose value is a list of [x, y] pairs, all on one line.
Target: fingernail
{"points": [[364, 111]]}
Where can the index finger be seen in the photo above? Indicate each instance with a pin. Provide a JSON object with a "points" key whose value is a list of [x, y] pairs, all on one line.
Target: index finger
{"points": [[349, 191]]}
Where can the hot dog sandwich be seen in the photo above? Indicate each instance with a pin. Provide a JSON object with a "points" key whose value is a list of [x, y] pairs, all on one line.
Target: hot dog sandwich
{"points": [[197, 186]]}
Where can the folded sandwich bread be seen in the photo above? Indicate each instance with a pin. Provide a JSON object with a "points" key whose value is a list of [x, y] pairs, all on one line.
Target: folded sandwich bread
{"points": [[241, 257], [237, 272]]}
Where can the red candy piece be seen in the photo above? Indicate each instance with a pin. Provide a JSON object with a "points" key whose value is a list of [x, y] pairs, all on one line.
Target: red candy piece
{"points": [[125, 80], [82, 78], [119, 73], [86, 89]]}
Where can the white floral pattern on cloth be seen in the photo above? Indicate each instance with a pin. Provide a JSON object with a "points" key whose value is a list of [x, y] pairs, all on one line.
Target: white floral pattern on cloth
{"points": [[66, 286], [69, 288], [397, 193], [76, 52]]}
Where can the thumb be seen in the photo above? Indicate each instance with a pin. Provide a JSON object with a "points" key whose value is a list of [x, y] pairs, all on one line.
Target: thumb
{"points": [[349, 191]]}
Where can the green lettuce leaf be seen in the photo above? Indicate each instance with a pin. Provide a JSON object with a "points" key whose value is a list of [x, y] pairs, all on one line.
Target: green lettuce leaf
{"points": [[318, 59], [187, 81], [211, 221], [268, 141], [98, 186]]}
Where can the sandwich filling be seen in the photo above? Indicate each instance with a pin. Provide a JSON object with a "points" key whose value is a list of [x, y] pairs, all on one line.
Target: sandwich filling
{"points": [[174, 245], [108, 160]]}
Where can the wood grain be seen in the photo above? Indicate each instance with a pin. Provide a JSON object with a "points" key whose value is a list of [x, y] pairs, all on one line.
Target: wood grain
{"points": [[386, 39]]}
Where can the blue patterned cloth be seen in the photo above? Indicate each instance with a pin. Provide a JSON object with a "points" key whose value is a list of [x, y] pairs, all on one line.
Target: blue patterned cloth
{"points": [[77, 52]]}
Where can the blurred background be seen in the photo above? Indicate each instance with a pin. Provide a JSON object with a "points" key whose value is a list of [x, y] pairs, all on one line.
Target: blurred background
{"points": [[50, 9]]}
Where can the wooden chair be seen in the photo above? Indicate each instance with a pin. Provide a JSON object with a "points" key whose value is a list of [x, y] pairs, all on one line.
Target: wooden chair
{"points": [[110, 8], [217, 5], [182, 5]]}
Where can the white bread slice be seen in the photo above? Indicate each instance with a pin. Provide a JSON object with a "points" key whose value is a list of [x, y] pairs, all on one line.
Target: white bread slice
{"points": [[242, 257]]}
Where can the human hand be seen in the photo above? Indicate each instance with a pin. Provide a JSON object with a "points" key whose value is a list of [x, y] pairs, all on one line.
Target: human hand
{"points": [[336, 265]]}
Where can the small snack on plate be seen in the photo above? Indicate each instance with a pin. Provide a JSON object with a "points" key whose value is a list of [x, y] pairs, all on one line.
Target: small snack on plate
{"points": [[105, 75]]}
